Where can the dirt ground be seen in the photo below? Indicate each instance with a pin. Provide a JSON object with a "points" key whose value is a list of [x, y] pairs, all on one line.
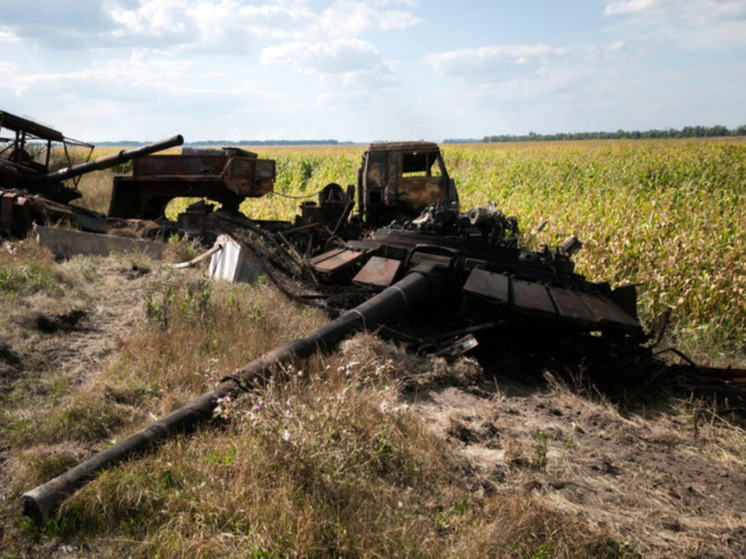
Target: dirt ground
{"points": [[661, 486], [669, 482]]}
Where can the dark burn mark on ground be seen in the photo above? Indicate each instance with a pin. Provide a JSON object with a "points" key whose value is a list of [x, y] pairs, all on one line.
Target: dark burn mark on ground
{"points": [[64, 322]]}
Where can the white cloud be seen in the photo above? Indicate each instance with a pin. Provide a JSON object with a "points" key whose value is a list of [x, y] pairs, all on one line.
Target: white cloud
{"points": [[209, 25], [348, 18], [139, 77], [479, 61], [337, 57], [689, 24], [352, 62], [628, 6], [501, 63], [82, 14]]}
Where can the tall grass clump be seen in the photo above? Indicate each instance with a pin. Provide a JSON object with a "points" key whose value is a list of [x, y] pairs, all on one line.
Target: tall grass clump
{"points": [[26, 269]]}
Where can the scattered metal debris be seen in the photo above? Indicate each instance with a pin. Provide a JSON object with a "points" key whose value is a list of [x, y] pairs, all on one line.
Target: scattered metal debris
{"points": [[467, 277], [233, 262]]}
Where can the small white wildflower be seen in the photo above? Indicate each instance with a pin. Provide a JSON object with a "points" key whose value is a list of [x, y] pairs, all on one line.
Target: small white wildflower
{"points": [[286, 436]]}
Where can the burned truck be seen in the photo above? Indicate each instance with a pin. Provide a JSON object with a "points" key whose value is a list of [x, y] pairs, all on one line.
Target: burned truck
{"points": [[400, 179], [228, 177]]}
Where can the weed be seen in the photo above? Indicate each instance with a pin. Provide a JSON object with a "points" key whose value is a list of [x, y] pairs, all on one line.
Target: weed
{"points": [[188, 301], [30, 278], [539, 460]]}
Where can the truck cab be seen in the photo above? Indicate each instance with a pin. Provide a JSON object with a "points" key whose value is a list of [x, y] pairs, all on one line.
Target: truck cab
{"points": [[397, 180]]}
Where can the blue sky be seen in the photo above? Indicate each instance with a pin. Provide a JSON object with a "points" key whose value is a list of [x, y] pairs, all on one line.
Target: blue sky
{"points": [[363, 70]]}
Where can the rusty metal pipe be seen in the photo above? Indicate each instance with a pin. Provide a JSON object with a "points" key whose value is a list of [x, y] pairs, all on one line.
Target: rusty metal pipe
{"points": [[422, 283], [110, 160]]}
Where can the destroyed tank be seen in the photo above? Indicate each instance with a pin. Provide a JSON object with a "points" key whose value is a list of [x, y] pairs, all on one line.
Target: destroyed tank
{"points": [[31, 191], [408, 262]]}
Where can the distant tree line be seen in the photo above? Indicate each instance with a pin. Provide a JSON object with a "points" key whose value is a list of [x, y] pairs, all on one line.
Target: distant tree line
{"points": [[221, 143], [686, 132], [268, 143]]}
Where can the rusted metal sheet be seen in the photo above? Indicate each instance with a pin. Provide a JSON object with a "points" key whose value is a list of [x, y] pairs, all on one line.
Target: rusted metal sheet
{"points": [[607, 312], [494, 286], [226, 177], [336, 260], [570, 305], [532, 298], [378, 271], [403, 146], [180, 164], [249, 177], [19, 210], [233, 262]]}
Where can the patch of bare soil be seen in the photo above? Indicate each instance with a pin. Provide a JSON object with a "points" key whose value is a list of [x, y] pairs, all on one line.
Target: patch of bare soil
{"points": [[664, 488]]}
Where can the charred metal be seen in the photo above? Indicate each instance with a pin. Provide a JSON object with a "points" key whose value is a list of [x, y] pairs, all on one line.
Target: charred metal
{"points": [[409, 262]]}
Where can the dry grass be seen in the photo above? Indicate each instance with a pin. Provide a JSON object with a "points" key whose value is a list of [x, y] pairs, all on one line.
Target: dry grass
{"points": [[332, 463]]}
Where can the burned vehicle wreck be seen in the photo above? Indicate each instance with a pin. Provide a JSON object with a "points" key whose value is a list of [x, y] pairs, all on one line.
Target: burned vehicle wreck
{"points": [[434, 277], [395, 254], [32, 191]]}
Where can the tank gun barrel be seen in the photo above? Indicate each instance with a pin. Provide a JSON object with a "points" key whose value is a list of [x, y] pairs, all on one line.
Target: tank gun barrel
{"points": [[110, 160], [424, 282]]}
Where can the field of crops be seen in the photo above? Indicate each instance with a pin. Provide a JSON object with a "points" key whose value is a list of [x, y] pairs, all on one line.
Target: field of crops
{"points": [[668, 215]]}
